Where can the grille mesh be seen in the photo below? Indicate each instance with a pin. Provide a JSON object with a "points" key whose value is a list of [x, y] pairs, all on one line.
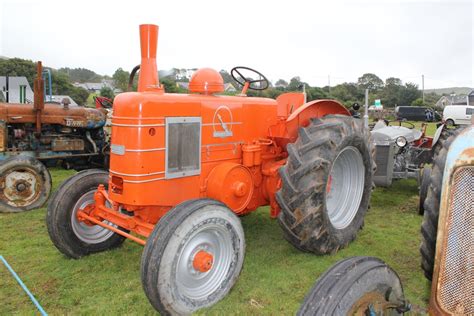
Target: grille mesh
{"points": [[381, 159], [456, 274]]}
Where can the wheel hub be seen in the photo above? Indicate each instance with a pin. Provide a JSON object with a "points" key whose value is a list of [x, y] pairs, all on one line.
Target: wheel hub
{"points": [[84, 230], [21, 187], [202, 261]]}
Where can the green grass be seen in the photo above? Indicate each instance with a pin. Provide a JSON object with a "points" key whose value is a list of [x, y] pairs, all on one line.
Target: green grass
{"points": [[274, 280]]}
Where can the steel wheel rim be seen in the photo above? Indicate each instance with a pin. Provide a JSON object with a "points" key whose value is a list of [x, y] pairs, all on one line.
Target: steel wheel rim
{"points": [[91, 234], [216, 239], [21, 187], [345, 187]]}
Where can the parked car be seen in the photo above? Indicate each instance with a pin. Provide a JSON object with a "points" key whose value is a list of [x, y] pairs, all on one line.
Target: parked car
{"points": [[416, 113], [458, 114]]}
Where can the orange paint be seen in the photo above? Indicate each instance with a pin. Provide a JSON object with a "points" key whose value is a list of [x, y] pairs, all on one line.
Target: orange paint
{"points": [[202, 261], [242, 145]]}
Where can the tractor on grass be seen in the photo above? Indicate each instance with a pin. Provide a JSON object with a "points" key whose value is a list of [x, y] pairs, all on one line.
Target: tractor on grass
{"points": [[368, 286], [184, 167], [40, 135]]}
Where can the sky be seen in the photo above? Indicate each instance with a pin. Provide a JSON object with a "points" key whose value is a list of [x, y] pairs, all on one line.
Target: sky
{"points": [[320, 41]]}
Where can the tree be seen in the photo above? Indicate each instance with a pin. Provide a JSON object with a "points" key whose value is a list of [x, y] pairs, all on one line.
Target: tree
{"points": [[79, 95], [347, 92], [390, 94], [370, 81], [281, 84], [121, 78], [107, 92], [18, 67], [61, 84], [295, 84], [417, 102], [315, 93], [409, 93], [81, 74]]}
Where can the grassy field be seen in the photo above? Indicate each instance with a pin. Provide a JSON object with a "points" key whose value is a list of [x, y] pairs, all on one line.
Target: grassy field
{"points": [[274, 280]]}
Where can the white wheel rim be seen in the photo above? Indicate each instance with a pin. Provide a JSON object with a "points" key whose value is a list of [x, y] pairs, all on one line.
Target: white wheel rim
{"points": [[91, 234], [214, 237], [345, 187], [21, 187]]}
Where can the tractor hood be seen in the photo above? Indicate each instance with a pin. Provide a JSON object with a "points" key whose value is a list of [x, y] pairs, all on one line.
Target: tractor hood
{"points": [[74, 116], [384, 135]]}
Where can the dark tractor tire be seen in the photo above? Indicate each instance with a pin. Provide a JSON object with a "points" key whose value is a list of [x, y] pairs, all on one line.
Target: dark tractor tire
{"points": [[356, 286], [426, 178], [72, 237], [193, 257], [424, 184], [429, 226], [450, 123], [25, 184], [326, 184]]}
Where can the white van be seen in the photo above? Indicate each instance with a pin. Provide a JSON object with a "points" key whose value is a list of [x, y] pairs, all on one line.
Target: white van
{"points": [[458, 114]]}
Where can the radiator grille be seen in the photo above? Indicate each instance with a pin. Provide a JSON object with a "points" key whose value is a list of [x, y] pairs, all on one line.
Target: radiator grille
{"points": [[456, 274], [381, 160]]}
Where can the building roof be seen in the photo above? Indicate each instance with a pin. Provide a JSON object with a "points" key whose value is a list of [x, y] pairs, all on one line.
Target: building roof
{"points": [[14, 89], [95, 86], [461, 99]]}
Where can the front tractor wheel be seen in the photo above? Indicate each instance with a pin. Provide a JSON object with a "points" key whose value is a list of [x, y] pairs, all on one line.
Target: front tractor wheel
{"points": [[73, 237], [193, 257], [326, 184], [25, 184]]}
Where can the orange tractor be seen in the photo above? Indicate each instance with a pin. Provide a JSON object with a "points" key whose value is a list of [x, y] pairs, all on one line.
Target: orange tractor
{"points": [[183, 167]]}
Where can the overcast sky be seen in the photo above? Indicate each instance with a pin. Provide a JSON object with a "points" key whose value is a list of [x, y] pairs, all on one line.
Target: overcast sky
{"points": [[281, 39]]}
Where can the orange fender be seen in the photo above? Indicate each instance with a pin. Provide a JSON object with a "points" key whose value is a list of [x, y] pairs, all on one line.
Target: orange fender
{"points": [[287, 131]]}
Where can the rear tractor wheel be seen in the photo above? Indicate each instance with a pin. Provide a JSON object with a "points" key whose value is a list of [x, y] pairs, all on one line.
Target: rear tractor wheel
{"points": [[25, 184], [193, 257], [73, 237], [356, 286], [326, 184]]}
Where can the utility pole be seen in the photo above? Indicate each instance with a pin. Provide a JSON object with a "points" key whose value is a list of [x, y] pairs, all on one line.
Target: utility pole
{"points": [[423, 87], [366, 110], [329, 84]]}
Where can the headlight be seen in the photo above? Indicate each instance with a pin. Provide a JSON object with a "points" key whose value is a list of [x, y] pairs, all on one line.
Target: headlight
{"points": [[401, 141]]}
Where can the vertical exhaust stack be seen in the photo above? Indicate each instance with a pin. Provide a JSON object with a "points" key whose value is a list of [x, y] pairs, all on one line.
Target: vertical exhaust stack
{"points": [[148, 77]]}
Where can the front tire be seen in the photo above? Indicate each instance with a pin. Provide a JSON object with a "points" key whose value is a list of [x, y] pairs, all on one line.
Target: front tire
{"points": [[424, 184], [72, 237], [193, 257], [429, 226], [326, 184], [356, 286], [25, 184], [450, 123]]}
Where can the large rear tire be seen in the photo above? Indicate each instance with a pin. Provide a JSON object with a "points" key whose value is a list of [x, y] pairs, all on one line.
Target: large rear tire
{"points": [[326, 184], [424, 184], [429, 226], [356, 286], [426, 177], [193, 257], [72, 237], [25, 184]]}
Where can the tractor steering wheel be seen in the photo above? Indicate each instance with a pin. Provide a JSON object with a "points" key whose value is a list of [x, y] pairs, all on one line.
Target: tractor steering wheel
{"points": [[242, 80], [400, 122]]}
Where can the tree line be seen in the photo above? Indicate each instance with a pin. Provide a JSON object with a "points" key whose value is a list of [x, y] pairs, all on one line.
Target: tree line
{"points": [[392, 92]]}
